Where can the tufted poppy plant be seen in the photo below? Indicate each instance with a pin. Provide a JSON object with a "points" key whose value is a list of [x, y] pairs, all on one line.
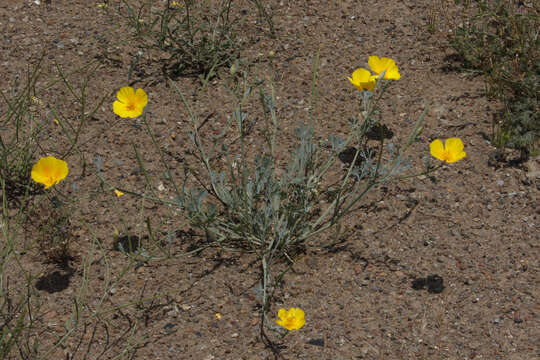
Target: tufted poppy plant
{"points": [[292, 319], [450, 152], [362, 79], [130, 103], [378, 65], [49, 171]]}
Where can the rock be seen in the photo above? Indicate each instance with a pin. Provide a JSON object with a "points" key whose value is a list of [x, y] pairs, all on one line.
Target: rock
{"points": [[439, 110], [50, 315], [316, 342], [533, 169]]}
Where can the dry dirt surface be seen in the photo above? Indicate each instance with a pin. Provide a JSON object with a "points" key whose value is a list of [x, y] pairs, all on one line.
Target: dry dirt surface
{"points": [[444, 269]]}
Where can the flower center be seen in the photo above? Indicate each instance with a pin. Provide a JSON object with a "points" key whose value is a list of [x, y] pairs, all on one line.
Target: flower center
{"points": [[289, 322], [446, 155], [130, 106]]}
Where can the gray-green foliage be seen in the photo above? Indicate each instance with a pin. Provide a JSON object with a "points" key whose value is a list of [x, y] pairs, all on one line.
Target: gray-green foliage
{"points": [[274, 210], [26, 118], [19, 125], [197, 37], [501, 40]]}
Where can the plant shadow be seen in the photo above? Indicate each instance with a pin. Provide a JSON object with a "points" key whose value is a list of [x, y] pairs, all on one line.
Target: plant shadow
{"points": [[127, 243]]}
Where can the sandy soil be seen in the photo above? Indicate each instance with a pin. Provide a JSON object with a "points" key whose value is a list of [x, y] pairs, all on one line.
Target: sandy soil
{"points": [[476, 227]]}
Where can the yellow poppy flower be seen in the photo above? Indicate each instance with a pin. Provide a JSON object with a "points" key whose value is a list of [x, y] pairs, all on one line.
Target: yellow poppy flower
{"points": [[450, 152], [378, 65], [292, 319], [130, 103], [118, 193], [362, 80], [49, 171]]}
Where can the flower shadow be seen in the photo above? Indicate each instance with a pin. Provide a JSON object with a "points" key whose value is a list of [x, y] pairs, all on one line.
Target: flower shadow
{"points": [[54, 282]]}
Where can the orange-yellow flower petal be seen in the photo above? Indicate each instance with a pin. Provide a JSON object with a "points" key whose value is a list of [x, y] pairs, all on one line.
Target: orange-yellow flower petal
{"points": [[436, 148], [450, 152], [378, 65], [292, 319], [125, 93], [49, 171], [130, 103], [118, 193], [362, 79]]}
